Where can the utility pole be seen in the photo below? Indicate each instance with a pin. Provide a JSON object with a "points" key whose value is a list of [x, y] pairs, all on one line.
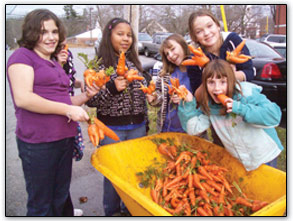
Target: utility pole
{"points": [[91, 43], [131, 14]]}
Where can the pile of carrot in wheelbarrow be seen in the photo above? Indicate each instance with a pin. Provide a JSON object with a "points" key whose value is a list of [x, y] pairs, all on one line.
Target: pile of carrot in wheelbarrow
{"points": [[189, 184]]}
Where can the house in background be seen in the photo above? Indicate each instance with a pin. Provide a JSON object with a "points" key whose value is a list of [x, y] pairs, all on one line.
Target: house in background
{"points": [[85, 39], [281, 20]]}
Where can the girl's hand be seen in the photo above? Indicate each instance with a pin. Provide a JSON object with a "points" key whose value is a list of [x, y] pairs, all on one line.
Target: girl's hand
{"points": [[120, 83], [189, 96], [62, 57], [151, 97], [175, 99], [77, 113], [229, 104], [92, 91]]}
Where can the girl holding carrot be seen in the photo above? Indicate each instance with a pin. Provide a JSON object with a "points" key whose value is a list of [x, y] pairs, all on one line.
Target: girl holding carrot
{"points": [[244, 122], [173, 51], [120, 105], [46, 114], [204, 30]]}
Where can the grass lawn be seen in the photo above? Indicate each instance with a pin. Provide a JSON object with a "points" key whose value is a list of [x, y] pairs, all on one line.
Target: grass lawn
{"points": [[282, 162]]}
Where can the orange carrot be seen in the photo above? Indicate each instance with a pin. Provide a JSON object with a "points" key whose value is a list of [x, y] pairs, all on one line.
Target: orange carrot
{"points": [[65, 47], [175, 180], [192, 196], [93, 132], [204, 195], [154, 195], [209, 189], [207, 207], [222, 196], [257, 205], [243, 201], [201, 211], [214, 184], [222, 98], [239, 47], [235, 56], [203, 172], [108, 132], [121, 68], [196, 181]]}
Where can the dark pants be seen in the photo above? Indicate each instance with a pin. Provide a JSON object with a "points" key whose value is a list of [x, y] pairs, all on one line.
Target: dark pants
{"points": [[47, 171], [111, 200]]}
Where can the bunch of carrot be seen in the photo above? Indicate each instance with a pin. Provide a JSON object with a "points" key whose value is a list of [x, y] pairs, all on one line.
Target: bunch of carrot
{"points": [[235, 57], [176, 88], [199, 57], [92, 74], [122, 70], [191, 185], [149, 89], [97, 131]]}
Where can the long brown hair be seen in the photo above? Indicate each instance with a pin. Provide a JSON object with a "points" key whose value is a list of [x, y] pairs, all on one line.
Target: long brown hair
{"points": [[32, 28], [169, 67], [106, 50], [192, 18], [218, 68]]}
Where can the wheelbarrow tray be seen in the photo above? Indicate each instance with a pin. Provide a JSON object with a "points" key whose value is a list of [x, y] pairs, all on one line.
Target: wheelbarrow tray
{"points": [[121, 161]]}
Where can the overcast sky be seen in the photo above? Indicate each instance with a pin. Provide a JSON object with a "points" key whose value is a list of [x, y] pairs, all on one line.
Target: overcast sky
{"points": [[22, 10]]}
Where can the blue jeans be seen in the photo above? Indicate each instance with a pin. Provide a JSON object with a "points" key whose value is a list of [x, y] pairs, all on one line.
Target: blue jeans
{"points": [[111, 200], [47, 171], [273, 163]]}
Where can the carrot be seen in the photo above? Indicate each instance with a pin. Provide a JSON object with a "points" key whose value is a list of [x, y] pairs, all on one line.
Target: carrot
{"points": [[193, 161], [192, 196], [65, 47], [228, 211], [174, 202], [204, 195], [183, 156], [174, 181], [209, 189], [257, 205], [154, 195], [201, 211], [214, 184], [108, 132], [179, 207], [159, 184], [165, 191], [196, 181], [218, 211], [189, 62], [190, 180], [235, 56], [93, 132], [169, 210], [203, 172], [222, 196], [239, 47], [222, 98], [243, 201], [121, 68], [101, 134], [225, 183], [207, 207], [163, 149]]}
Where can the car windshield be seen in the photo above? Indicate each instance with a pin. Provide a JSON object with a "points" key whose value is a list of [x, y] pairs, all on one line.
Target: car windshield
{"points": [[260, 50], [144, 37], [277, 39]]}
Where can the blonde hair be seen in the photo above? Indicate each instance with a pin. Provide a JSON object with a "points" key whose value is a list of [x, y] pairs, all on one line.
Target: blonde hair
{"points": [[218, 68], [169, 67]]}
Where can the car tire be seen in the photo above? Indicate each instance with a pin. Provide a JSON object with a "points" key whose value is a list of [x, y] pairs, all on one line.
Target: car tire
{"points": [[146, 52]]}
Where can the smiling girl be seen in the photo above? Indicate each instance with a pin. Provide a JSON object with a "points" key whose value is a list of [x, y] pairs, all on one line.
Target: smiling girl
{"points": [[45, 114], [245, 124], [120, 105], [174, 50]]}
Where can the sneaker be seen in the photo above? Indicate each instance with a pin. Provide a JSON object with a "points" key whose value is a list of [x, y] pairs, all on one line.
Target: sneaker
{"points": [[77, 212]]}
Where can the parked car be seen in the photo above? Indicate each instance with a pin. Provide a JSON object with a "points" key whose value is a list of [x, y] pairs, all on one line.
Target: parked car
{"points": [[271, 71], [142, 38], [152, 48], [282, 49], [273, 39]]}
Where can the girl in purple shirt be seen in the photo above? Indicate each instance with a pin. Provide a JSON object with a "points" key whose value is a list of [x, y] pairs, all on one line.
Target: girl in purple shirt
{"points": [[46, 114]]}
